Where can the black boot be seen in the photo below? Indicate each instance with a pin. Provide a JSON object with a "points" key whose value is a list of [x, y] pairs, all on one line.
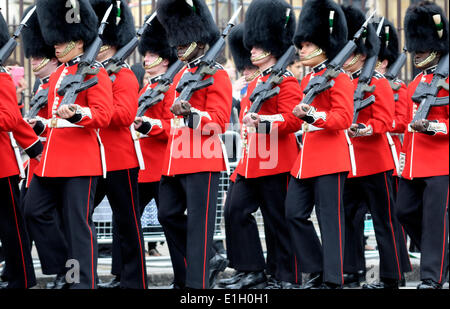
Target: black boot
{"points": [[113, 284], [429, 285], [251, 280], [217, 264], [384, 284], [351, 280], [315, 280], [232, 280], [59, 283]]}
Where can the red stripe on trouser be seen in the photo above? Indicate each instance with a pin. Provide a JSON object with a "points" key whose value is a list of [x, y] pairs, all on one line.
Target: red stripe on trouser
{"points": [[340, 232], [392, 228], [206, 231], [185, 262], [90, 231], [18, 233], [296, 271], [137, 229], [443, 243]]}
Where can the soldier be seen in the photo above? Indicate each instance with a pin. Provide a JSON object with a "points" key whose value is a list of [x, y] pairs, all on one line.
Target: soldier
{"points": [[372, 185], [120, 184], [71, 163], [269, 150], [194, 155], [424, 187], [42, 56], [319, 173], [13, 235]]}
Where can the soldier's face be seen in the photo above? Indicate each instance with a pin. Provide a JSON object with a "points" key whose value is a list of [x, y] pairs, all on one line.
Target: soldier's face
{"points": [[307, 57], [65, 52], [260, 57], [423, 60], [188, 53], [154, 64]]}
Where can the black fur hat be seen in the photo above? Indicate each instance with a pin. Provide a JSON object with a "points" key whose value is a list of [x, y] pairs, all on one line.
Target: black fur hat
{"points": [[241, 54], [60, 24], [369, 43], [120, 29], [185, 24], [314, 26], [154, 39], [268, 26], [421, 31], [4, 32], [33, 42], [389, 44]]}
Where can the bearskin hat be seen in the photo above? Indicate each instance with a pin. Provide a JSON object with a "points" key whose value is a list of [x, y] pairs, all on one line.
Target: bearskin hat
{"points": [[369, 43], [187, 21], [120, 29], [60, 24], [4, 32], [270, 25], [154, 40], [317, 19], [422, 31], [241, 55], [389, 44], [33, 42]]}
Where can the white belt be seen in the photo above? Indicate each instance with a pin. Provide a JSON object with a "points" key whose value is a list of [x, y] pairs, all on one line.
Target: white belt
{"points": [[42, 139], [306, 127], [137, 147], [352, 153], [17, 155], [395, 134], [225, 156], [393, 151], [59, 123], [102, 153]]}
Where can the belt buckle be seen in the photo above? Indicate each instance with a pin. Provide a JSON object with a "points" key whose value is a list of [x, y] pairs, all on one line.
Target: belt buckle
{"points": [[305, 127], [53, 123]]}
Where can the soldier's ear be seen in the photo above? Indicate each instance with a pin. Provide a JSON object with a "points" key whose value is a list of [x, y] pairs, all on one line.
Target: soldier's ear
{"points": [[79, 44]]}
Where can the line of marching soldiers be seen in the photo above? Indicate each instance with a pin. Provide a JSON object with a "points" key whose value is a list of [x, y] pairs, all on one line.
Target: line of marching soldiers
{"points": [[347, 162]]}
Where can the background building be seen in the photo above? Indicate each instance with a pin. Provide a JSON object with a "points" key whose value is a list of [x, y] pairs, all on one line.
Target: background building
{"points": [[394, 10]]}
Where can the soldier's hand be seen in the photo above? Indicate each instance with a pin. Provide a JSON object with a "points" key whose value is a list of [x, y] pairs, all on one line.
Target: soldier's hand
{"points": [[420, 125], [137, 122], [181, 108], [66, 111], [353, 130], [300, 110], [31, 122], [239, 84], [251, 120]]}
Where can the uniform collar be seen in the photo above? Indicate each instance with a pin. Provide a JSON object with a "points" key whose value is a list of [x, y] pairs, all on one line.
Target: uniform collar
{"points": [[356, 74], [195, 63], [105, 63], [45, 80], [74, 61], [430, 70], [320, 66], [267, 71], [155, 79]]}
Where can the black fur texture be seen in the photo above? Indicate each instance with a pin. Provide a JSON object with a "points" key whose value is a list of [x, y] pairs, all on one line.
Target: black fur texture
{"points": [[241, 55], [266, 28], [154, 40], [420, 30], [389, 52], [59, 25], [33, 42], [368, 44], [4, 33], [115, 35], [313, 26], [185, 25]]}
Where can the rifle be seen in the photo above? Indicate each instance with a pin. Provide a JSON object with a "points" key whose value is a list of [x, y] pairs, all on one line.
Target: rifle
{"points": [[115, 63], [269, 88], [74, 84], [320, 83], [191, 82], [364, 81], [394, 70], [37, 103], [154, 95], [426, 93], [9, 47]]}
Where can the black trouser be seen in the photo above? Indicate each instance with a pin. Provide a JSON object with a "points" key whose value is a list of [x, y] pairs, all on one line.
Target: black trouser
{"points": [[423, 211], [326, 194], [267, 193], [76, 197], [14, 236], [376, 192], [121, 188], [189, 237]]}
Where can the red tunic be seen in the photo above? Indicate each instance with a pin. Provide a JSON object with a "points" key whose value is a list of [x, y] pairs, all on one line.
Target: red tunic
{"points": [[400, 117], [200, 149], [274, 153], [9, 117], [326, 151], [372, 153], [154, 143], [119, 148], [74, 152], [426, 155]]}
